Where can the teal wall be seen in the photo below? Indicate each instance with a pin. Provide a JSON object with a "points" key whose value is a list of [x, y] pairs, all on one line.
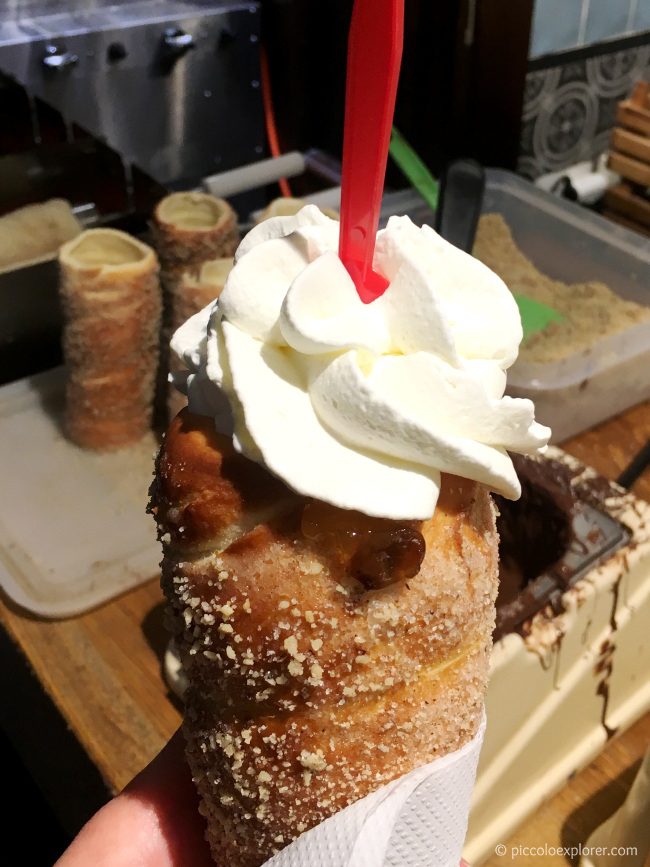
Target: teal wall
{"points": [[559, 25]]}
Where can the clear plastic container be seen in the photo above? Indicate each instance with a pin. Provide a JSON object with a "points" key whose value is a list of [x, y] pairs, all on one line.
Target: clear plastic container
{"points": [[572, 244]]}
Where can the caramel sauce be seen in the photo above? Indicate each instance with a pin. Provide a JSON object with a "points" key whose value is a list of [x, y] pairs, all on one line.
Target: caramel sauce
{"points": [[456, 494], [377, 551]]}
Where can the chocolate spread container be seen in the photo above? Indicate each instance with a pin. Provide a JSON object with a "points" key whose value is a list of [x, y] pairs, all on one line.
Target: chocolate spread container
{"points": [[549, 539], [572, 651]]}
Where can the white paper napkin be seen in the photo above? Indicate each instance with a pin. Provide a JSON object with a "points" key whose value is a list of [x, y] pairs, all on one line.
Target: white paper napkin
{"points": [[419, 820]]}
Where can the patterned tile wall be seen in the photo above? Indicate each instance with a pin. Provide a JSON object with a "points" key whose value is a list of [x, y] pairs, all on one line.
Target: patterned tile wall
{"points": [[569, 107]]}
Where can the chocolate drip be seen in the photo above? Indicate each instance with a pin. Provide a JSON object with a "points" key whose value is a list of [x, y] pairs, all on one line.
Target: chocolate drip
{"points": [[605, 666]]}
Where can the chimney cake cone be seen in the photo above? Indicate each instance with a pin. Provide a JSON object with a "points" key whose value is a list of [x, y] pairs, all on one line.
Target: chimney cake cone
{"points": [[190, 229], [287, 207], [199, 289], [327, 653], [110, 291], [329, 541], [191, 296], [36, 232]]}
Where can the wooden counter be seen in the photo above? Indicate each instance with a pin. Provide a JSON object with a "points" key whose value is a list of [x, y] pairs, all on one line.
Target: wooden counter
{"points": [[102, 670]]}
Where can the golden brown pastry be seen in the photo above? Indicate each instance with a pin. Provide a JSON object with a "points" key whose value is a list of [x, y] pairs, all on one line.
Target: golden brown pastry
{"points": [[286, 206], [190, 229], [193, 294], [327, 653], [197, 290], [196, 236], [36, 232], [110, 290]]}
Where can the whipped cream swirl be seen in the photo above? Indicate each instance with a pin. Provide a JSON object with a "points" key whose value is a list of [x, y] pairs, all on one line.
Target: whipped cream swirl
{"points": [[362, 405]]}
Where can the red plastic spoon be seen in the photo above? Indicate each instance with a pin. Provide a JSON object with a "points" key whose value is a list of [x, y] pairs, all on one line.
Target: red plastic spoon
{"points": [[374, 57]]}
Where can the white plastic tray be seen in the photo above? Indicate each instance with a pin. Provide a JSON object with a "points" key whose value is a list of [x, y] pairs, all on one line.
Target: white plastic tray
{"points": [[73, 527]]}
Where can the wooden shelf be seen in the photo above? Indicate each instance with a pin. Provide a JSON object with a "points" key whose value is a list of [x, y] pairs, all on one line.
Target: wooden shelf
{"points": [[629, 156], [631, 143], [629, 204], [630, 168]]}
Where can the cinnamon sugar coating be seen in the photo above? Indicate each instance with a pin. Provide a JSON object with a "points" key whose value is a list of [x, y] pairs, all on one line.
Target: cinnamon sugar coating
{"points": [[189, 229], [111, 298], [307, 689]]}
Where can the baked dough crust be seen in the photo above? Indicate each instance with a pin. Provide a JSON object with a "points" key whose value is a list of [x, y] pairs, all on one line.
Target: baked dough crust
{"points": [[307, 690]]}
